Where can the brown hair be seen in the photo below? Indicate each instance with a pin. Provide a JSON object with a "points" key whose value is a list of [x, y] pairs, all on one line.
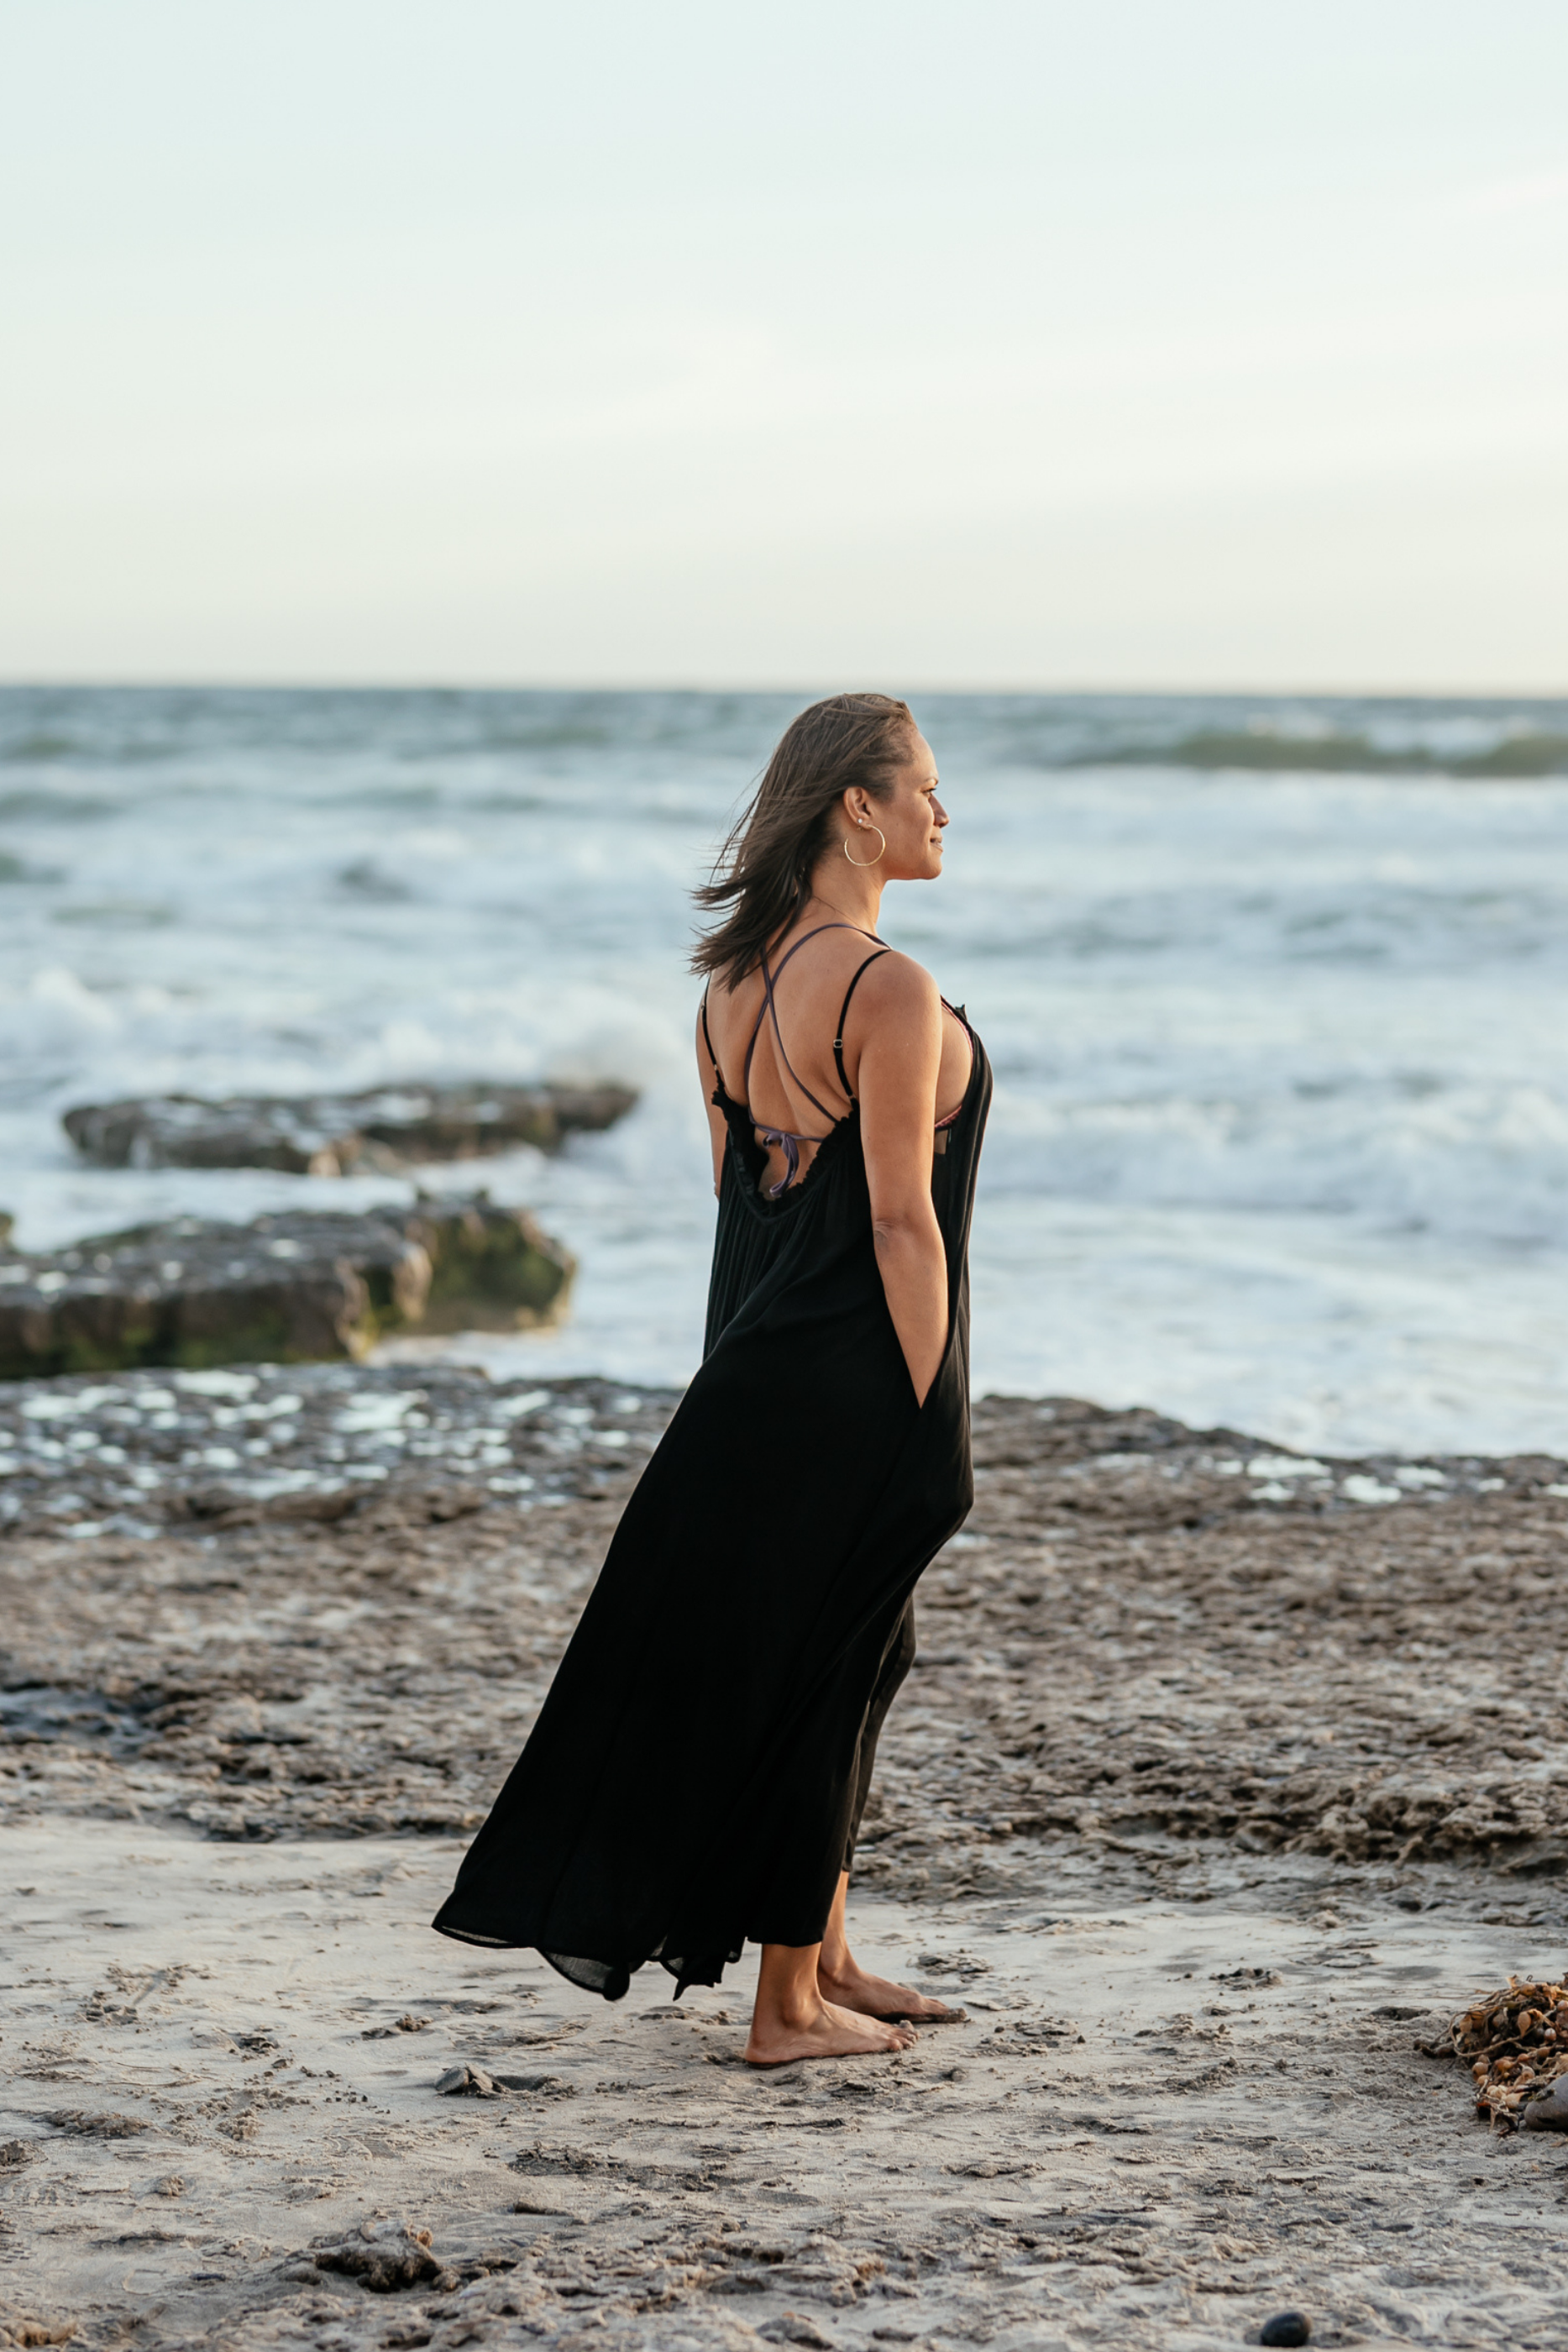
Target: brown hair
{"points": [[763, 871]]}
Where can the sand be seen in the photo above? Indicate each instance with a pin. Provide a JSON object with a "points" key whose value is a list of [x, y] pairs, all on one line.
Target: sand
{"points": [[1215, 1791]]}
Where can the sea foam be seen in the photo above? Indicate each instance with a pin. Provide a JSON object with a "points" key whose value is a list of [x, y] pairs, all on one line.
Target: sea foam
{"points": [[1273, 992]]}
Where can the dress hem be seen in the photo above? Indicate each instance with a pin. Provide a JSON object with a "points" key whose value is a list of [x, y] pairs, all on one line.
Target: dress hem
{"points": [[611, 1979]]}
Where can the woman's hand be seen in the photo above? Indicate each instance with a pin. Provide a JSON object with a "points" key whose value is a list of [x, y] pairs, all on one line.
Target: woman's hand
{"points": [[896, 1087]]}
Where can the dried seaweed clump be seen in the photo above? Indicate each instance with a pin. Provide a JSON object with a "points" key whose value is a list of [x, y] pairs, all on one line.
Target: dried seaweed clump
{"points": [[1515, 2044]]}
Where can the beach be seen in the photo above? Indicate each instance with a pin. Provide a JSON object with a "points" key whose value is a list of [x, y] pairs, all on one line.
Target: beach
{"points": [[500, 507], [1235, 1759], [1224, 1778]]}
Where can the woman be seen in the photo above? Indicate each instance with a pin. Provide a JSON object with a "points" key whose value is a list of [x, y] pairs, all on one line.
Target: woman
{"points": [[698, 1772]]}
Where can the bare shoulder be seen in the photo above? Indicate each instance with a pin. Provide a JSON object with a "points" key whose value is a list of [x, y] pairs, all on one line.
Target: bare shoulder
{"points": [[895, 983]]}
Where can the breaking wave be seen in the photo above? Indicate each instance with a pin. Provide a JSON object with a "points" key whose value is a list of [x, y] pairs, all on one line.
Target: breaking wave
{"points": [[1274, 995]]}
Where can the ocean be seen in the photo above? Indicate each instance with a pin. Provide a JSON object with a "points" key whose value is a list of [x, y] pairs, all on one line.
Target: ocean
{"points": [[1274, 988]]}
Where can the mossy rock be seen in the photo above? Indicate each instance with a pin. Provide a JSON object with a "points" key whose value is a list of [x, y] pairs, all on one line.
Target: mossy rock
{"points": [[294, 1288], [492, 1269]]}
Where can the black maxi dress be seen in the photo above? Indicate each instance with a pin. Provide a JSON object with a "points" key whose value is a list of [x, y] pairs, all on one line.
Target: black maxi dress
{"points": [[698, 1773]]}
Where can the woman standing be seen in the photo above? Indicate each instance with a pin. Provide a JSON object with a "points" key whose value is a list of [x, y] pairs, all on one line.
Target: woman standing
{"points": [[697, 1774]]}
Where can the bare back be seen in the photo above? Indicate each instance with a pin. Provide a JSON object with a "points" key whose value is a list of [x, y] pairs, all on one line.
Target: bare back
{"points": [[784, 1068]]}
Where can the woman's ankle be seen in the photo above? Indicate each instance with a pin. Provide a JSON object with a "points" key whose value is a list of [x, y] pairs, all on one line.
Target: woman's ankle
{"points": [[788, 2009], [788, 1998]]}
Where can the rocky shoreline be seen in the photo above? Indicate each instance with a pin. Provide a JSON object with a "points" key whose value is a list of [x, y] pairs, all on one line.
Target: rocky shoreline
{"points": [[295, 1286], [1160, 1646], [144, 1453], [384, 1132]]}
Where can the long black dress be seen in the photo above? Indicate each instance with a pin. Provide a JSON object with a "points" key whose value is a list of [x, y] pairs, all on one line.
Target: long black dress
{"points": [[698, 1773]]}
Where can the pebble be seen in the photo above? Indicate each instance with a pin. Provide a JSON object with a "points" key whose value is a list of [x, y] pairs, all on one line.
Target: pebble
{"points": [[466, 2082], [1285, 2327], [1550, 2112]]}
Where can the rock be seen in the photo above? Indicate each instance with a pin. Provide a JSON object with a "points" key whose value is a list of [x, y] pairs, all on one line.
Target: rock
{"points": [[492, 1269], [302, 1446], [97, 2127], [1285, 2327], [292, 1288], [467, 2083], [386, 2256], [1550, 2111], [384, 1131]]}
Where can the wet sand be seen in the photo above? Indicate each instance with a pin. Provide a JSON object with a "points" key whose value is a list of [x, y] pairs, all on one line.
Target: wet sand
{"points": [[1221, 1782]]}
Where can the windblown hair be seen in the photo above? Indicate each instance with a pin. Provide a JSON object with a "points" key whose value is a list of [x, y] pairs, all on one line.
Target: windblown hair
{"points": [[763, 872]]}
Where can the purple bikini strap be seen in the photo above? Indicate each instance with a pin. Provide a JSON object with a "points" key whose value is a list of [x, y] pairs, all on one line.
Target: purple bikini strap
{"points": [[781, 1135], [789, 1143], [769, 981]]}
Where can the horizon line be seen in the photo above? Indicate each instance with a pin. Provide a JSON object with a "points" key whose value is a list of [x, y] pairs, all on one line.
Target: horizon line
{"points": [[1080, 692]]}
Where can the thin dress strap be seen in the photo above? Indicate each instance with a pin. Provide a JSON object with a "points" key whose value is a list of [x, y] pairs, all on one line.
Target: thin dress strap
{"points": [[707, 1041], [843, 1017], [770, 982], [962, 1018]]}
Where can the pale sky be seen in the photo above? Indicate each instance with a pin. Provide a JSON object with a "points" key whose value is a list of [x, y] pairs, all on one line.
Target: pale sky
{"points": [[966, 342]]}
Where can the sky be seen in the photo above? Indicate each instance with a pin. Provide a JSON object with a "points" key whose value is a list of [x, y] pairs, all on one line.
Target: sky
{"points": [[1177, 343]]}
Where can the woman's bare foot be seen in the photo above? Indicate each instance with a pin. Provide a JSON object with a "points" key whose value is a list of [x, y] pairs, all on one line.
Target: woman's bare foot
{"points": [[818, 2029], [841, 1980], [849, 1987], [791, 2021]]}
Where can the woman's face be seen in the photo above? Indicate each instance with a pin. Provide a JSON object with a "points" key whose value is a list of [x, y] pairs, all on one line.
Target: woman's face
{"points": [[910, 816]]}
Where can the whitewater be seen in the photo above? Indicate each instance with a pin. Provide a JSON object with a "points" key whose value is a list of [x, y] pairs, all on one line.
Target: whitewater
{"points": [[1274, 989]]}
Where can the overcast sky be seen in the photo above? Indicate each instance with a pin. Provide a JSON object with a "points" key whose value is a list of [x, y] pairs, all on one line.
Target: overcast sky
{"points": [[1166, 342]]}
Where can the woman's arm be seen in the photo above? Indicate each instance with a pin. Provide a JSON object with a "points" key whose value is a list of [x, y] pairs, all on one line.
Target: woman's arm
{"points": [[716, 1126], [896, 1087]]}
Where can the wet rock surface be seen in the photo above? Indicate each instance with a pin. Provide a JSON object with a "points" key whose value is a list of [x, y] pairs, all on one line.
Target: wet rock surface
{"points": [[1216, 1792], [145, 1451], [291, 1287], [384, 1131], [330, 1598]]}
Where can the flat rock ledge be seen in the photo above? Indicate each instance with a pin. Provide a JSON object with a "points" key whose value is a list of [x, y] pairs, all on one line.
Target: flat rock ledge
{"points": [[327, 1600], [297, 1288], [382, 1132]]}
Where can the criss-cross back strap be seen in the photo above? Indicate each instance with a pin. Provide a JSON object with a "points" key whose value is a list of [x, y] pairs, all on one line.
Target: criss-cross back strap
{"points": [[787, 1142], [843, 1017], [770, 982]]}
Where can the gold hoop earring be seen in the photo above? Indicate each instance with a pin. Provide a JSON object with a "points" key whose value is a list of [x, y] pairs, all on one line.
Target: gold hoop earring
{"points": [[880, 854]]}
